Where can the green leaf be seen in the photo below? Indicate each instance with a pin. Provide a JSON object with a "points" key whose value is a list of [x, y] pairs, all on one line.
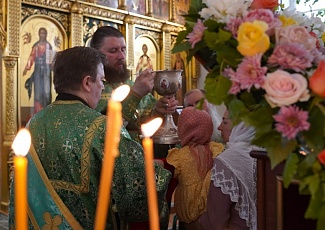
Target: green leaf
{"points": [[247, 98], [321, 218], [277, 148], [215, 39], [217, 88], [290, 169], [312, 182], [224, 35], [213, 25], [184, 46], [228, 55], [315, 205], [199, 105], [196, 6], [191, 18], [261, 118], [237, 111], [308, 166], [315, 135], [211, 39]]}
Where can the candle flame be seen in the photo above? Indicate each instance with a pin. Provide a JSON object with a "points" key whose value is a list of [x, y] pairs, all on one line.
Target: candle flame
{"points": [[22, 143], [120, 93], [149, 128]]}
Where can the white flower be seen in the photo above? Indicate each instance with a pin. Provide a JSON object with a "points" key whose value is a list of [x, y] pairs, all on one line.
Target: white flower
{"points": [[299, 17], [316, 25], [311, 23], [223, 10]]}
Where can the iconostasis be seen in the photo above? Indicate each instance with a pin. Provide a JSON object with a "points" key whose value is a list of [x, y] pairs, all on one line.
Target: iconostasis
{"points": [[150, 28]]}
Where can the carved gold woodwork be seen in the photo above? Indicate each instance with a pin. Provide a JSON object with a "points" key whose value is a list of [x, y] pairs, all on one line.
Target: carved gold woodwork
{"points": [[11, 98], [70, 14], [3, 35]]}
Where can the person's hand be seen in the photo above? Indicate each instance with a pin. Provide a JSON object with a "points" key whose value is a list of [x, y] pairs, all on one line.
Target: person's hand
{"points": [[144, 83], [166, 105]]}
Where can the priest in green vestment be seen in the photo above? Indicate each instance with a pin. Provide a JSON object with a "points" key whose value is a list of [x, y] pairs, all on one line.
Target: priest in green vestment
{"points": [[65, 160], [140, 104]]}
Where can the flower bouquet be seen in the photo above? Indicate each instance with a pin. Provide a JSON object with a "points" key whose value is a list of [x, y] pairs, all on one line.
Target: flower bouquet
{"points": [[269, 70]]}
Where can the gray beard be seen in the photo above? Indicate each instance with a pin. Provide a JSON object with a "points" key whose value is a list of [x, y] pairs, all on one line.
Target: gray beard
{"points": [[113, 75]]}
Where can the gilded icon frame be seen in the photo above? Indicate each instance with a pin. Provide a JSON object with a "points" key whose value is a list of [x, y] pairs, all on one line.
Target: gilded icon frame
{"points": [[57, 39]]}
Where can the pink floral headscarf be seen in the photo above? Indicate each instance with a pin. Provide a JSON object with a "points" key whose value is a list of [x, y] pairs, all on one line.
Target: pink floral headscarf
{"points": [[195, 128]]}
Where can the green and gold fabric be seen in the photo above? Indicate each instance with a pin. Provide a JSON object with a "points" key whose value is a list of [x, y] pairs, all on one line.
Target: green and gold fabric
{"points": [[134, 108], [64, 172]]}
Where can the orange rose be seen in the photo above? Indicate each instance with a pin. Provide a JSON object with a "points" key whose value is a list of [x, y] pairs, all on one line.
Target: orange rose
{"points": [[317, 80], [321, 157], [264, 4]]}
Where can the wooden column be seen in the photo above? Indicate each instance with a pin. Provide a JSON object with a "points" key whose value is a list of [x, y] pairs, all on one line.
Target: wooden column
{"points": [[278, 208]]}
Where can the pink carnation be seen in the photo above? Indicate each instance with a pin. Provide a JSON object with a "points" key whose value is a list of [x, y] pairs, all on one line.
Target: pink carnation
{"points": [[196, 35], [291, 56], [233, 25], [231, 74], [290, 121], [249, 73], [266, 16]]}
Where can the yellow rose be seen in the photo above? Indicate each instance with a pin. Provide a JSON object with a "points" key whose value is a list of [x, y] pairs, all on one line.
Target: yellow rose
{"points": [[252, 38]]}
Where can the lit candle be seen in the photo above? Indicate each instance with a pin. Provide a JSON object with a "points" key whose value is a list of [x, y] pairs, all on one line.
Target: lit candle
{"points": [[21, 147], [148, 130], [112, 139]]}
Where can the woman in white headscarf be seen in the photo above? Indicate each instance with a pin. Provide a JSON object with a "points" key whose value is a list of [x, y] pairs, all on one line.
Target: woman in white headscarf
{"points": [[232, 194]]}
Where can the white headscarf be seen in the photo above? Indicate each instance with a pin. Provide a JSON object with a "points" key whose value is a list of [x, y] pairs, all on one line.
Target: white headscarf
{"points": [[234, 171], [216, 112]]}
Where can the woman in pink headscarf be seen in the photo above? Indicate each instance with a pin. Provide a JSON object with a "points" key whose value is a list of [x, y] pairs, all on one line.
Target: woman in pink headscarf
{"points": [[193, 163]]}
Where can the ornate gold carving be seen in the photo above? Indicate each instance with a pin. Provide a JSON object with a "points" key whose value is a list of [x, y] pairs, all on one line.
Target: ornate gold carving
{"points": [[129, 19], [13, 27], [174, 28], [153, 34], [2, 14], [166, 28], [148, 23], [173, 39], [149, 9], [60, 17], [197, 69], [103, 13], [10, 163], [173, 11], [76, 30], [70, 14], [3, 35], [167, 49], [76, 8], [130, 43], [122, 6], [11, 127], [60, 4]]}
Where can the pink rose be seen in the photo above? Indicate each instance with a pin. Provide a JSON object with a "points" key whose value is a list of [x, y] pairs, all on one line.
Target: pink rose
{"points": [[295, 34], [284, 89], [264, 4]]}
